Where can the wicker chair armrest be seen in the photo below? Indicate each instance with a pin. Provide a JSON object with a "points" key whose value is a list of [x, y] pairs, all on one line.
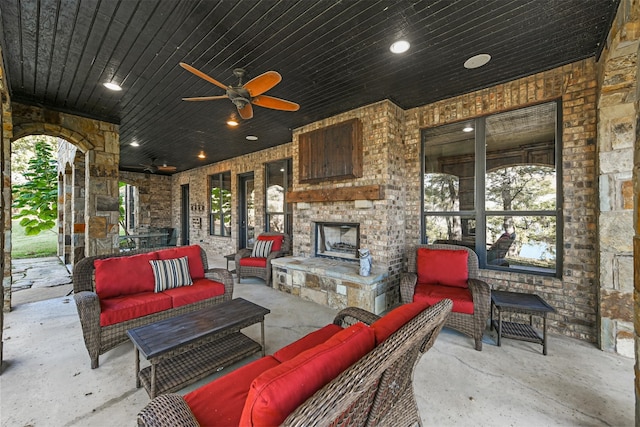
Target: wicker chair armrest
{"points": [[167, 410], [223, 276], [407, 286], [351, 315], [274, 254], [481, 293], [88, 305]]}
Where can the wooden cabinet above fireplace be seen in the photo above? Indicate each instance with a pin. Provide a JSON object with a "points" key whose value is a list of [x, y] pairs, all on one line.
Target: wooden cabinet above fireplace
{"points": [[334, 152]]}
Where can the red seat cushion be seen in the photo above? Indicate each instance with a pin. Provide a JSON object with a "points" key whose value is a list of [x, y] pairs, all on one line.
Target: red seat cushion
{"points": [[122, 308], [277, 241], [196, 269], [200, 290], [396, 318], [305, 343], [442, 267], [253, 262], [220, 402], [124, 275], [280, 390], [431, 294]]}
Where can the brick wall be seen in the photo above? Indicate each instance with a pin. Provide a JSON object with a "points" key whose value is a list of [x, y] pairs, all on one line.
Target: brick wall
{"points": [[574, 295]]}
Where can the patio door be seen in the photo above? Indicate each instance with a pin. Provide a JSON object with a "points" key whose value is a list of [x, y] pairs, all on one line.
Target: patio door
{"points": [[184, 207], [247, 211]]}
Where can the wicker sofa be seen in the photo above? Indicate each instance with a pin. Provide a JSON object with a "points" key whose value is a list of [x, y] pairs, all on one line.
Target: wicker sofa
{"points": [[357, 371], [113, 293]]}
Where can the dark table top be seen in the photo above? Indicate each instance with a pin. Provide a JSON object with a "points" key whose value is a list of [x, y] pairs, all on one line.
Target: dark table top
{"points": [[161, 337], [520, 301]]}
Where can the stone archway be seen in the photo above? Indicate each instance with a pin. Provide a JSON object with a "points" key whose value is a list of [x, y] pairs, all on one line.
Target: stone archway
{"points": [[94, 159]]}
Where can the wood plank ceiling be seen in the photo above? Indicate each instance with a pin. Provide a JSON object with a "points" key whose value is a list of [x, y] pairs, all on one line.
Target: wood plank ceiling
{"points": [[333, 56]]}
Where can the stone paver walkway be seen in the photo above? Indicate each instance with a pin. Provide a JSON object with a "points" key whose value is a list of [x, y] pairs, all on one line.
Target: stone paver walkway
{"points": [[37, 279]]}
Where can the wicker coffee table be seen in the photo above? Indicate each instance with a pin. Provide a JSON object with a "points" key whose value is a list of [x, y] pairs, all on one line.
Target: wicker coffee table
{"points": [[189, 347], [517, 302]]}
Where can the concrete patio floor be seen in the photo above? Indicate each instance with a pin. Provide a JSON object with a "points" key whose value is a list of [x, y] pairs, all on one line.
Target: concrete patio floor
{"points": [[47, 381]]}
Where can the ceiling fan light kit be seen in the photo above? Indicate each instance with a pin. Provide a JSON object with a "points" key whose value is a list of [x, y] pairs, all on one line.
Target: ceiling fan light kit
{"points": [[243, 95]]}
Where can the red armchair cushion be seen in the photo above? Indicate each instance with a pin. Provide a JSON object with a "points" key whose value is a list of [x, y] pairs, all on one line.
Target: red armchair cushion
{"points": [[442, 267], [124, 275], [396, 318], [196, 269], [431, 294], [122, 308], [277, 241], [220, 402], [305, 343], [253, 262], [280, 390], [200, 290]]}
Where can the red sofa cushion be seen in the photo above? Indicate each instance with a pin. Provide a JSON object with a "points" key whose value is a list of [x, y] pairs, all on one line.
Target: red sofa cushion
{"points": [[431, 294], [277, 241], [442, 267], [122, 308], [396, 318], [220, 402], [200, 290], [196, 269], [280, 390], [253, 262], [124, 275], [305, 343]]}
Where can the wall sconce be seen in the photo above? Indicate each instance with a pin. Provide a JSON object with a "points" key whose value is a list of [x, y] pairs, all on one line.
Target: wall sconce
{"points": [[197, 207]]}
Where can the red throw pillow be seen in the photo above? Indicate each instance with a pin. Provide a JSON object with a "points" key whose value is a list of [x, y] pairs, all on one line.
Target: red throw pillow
{"points": [[124, 275], [395, 319], [279, 391], [196, 269], [277, 241], [442, 267]]}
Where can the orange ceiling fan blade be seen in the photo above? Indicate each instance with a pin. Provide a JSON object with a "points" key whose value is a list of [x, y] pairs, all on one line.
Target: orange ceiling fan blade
{"points": [[267, 101], [262, 83], [205, 98], [246, 112], [202, 75]]}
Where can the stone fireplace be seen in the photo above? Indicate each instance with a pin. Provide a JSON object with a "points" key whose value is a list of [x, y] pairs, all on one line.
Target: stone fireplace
{"points": [[337, 240]]}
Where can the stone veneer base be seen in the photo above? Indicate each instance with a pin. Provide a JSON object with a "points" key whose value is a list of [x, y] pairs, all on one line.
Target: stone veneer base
{"points": [[331, 282]]}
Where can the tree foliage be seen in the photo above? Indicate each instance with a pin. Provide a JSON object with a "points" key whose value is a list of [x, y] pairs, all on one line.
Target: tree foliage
{"points": [[36, 200]]}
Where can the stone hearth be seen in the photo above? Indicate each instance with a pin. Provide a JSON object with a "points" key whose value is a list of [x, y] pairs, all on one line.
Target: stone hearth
{"points": [[331, 282]]}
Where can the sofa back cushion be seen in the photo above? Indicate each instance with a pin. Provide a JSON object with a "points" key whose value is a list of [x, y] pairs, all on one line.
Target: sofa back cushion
{"points": [[279, 391], [396, 318], [124, 275], [442, 267], [277, 241], [196, 269]]}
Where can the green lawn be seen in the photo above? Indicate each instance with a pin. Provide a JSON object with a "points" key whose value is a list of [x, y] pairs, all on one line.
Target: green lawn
{"points": [[43, 244]]}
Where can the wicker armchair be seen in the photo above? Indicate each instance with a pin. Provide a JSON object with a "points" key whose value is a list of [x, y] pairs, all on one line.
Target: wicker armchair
{"points": [[254, 270], [472, 325]]}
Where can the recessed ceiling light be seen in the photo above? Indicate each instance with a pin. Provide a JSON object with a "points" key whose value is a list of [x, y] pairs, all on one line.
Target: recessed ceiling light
{"points": [[400, 46], [251, 138], [467, 129], [477, 61], [112, 86], [232, 122], [135, 144], [201, 155]]}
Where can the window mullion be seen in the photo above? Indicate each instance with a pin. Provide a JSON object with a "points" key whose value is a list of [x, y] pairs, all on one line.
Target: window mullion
{"points": [[481, 170]]}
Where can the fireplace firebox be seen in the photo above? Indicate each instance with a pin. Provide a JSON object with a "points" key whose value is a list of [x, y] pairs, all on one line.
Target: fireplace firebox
{"points": [[337, 240]]}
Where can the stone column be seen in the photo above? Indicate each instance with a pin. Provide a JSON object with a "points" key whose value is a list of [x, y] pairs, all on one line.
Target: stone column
{"points": [[77, 212], [64, 215]]}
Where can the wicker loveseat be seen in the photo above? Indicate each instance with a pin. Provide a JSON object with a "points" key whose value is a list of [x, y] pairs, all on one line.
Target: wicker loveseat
{"points": [[250, 264], [357, 371], [117, 292], [449, 271]]}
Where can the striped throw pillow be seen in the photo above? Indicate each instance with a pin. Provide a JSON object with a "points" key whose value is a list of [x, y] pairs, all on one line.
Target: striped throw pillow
{"points": [[171, 273], [262, 249]]}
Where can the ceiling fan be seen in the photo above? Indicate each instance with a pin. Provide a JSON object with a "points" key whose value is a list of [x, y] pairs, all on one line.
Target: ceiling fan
{"points": [[153, 167], [243, 95]]}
